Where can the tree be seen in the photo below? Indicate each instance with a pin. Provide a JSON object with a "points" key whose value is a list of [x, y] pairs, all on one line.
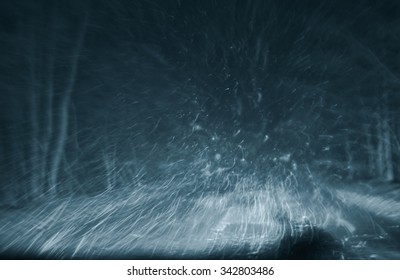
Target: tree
{"points": [[48, 44]]}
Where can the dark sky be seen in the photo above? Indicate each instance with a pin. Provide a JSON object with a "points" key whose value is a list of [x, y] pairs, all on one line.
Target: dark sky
{"points": [[182, 72]]}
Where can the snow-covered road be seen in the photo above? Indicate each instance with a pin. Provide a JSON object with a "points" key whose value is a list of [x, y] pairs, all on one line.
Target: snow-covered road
{"points": [[254, 220]]}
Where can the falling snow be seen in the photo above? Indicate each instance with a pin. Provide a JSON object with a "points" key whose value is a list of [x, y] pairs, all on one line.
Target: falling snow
{"points": [[199, 130]]}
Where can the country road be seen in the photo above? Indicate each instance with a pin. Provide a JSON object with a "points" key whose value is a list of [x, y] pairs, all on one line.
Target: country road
{"points": [[253, 221]]}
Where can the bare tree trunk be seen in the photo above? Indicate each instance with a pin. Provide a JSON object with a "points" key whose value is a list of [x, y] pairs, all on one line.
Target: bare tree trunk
{"points": [[380, 164], [61, 137], [370, 150], [386, 133], [384, 157], [48, 132], [34, 121]]}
